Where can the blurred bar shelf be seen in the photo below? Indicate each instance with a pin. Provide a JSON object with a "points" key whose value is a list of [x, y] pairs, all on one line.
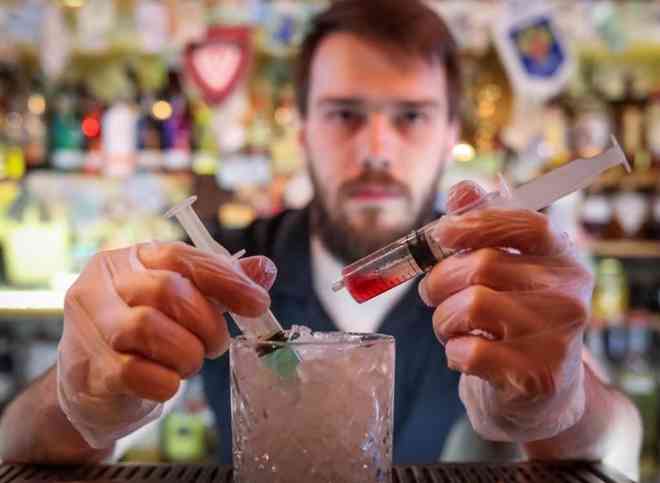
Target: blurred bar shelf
{"points": [[18, 304], [622, 248]]}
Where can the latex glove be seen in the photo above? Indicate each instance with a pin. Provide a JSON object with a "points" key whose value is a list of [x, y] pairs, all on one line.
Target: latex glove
{"points": [[137, 321], [511, 311]]}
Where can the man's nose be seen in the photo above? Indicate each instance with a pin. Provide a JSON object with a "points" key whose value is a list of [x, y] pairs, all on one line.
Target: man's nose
{"points": [[378, 142]]}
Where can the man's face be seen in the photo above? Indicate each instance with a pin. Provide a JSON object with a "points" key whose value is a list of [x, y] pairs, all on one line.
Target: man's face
{"points": [[376, 137]]}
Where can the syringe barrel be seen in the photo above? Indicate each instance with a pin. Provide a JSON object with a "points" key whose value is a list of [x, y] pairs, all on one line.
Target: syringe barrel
{"points": [[262, 327], [393, 265]]}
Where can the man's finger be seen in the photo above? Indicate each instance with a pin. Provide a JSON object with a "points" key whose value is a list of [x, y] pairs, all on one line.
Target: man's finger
{"points": [[494, 362], [178, 298], [216, 276], [154, 336], [481, 309], [139, 377], [260, 269], [520, 368], [492, 268], [506, 315], [526, 231], [463, 194]]}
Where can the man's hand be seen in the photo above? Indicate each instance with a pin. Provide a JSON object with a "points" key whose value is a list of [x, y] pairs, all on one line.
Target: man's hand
{"points": [[140, 319], [511, 310]]}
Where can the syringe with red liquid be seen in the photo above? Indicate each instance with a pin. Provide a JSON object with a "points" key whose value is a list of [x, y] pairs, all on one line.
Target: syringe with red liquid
{"points": [[391, 266], [418, 253]]}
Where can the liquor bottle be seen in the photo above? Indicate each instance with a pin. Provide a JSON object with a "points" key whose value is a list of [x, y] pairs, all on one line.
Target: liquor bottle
{"points": [[258, 120], [287, 159], [612, 188], [184, 434], [119, 137], [3, 163], [652, 136], [654, 225], [632, 203], [652, 128], [632, 130], [610, 304], [173, 110], [592, 127], [638, 380], [92, 117], [596, 212], [14, 158], [598, 216], [8, 368], [66, 136], [36, 129], [596, 342], [204, 142], [150, 133]]}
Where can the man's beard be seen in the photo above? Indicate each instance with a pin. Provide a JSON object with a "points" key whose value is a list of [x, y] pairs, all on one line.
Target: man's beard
{"points": [[347, 243]]}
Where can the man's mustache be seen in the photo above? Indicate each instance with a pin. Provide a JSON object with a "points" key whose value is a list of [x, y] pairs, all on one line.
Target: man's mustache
{"points": [[370, 180]]}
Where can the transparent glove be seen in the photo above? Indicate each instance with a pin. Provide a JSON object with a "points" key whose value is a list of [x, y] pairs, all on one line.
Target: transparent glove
{"points": [[511, 310], [138, 321]]}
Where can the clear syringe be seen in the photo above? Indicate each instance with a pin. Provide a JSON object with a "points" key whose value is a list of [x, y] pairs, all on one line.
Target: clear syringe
{"points": [[417, 252], [264, 328]]}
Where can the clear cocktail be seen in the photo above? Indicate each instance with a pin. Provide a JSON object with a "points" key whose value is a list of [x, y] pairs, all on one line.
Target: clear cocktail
{"points": [[330, 419]]}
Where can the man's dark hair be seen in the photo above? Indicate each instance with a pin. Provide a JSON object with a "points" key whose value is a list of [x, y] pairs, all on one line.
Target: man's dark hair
{"points": [[408, 26]]}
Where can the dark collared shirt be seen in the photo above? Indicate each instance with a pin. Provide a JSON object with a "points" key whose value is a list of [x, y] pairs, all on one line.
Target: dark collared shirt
{"points": [[426, 402]]}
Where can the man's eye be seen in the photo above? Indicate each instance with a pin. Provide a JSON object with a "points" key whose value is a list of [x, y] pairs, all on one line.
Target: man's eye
{"points": [[344, 115], [412, 117]]}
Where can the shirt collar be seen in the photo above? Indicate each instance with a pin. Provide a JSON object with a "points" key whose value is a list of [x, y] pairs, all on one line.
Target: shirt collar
{"points": [[291, 249]]}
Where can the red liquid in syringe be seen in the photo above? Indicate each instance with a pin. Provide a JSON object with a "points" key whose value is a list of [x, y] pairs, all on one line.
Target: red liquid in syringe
{"points": [[365, 287], [382, 270]]}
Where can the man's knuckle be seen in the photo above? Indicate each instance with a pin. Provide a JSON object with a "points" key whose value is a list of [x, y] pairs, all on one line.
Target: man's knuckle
{"points": [[575, 308], [138, 326], [170, 389], [541, 384], [477, 302], [144, 315], [171, 252], [192, 364], [428, 290], [73, 294], [129, 332], [438, 323], [486, 259], [127, 369], [168, 284], [471, 363]]}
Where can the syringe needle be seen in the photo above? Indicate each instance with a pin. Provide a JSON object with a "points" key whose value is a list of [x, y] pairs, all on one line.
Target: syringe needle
{"points": [[338, 285]]}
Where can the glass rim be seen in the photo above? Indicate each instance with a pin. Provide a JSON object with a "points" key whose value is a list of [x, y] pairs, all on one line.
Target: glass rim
{"points": [[365, 338]]}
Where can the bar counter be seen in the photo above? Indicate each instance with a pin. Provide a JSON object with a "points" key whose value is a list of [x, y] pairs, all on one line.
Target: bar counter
{"points": [[528, 472]]}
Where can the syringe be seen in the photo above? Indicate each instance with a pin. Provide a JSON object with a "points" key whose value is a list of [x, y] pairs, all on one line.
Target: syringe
{"points": [[417, 252], [264, 328]]}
